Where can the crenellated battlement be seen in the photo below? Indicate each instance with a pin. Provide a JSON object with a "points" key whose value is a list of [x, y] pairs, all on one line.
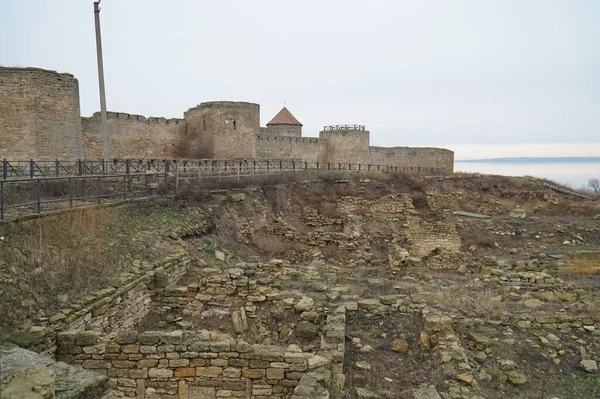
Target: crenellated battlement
{"points": [[271, 137], [40, 118], [139, 118]]}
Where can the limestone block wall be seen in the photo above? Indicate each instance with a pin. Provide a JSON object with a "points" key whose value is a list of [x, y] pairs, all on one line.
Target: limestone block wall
{"points": [[116, 308], [134, 136], [189, 364], [39, 114], [222, 130], [287, 147], [418, 158], [428, 239], [347, 146], [282, 130]]}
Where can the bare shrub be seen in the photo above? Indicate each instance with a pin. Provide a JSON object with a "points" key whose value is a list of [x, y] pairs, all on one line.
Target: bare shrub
{"points": [[477, 240], [334, 252], [276, 246], [269, 244]]}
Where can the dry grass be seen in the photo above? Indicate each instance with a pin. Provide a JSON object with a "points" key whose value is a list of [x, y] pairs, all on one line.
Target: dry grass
{"points": [[275, 246], [62, 254], [332, 251], [269, 244]]}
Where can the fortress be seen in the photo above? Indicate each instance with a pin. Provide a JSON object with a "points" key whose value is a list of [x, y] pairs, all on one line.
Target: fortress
{"points": [[40, 119]]}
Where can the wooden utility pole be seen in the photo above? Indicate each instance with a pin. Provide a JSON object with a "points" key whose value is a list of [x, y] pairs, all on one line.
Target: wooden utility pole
{"points": [[103, 117]]}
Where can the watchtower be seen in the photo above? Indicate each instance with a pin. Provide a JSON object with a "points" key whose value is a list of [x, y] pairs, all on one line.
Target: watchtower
{"points": [[284, 124], [39, 114], [222, 130], [346, 143]]}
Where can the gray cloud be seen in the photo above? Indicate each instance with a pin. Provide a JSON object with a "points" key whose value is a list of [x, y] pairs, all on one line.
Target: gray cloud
{"points": [[416, 73]]}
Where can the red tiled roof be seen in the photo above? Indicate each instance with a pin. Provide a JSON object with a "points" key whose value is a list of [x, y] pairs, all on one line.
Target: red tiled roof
{"points": [[284, 117]]}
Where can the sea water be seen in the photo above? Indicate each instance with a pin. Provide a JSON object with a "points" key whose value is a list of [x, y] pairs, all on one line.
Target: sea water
{"points": [[574, 174]]}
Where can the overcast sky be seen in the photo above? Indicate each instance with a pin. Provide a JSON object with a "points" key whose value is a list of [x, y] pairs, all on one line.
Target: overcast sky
{"points": [[435, 72]]}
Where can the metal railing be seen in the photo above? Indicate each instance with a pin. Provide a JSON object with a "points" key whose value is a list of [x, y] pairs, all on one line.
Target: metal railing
{"points": [[33, 187], [344, 127], [33, 169]]}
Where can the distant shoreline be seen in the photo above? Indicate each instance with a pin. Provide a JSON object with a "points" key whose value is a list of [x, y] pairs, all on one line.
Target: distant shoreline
{"points": [[533, 160]]}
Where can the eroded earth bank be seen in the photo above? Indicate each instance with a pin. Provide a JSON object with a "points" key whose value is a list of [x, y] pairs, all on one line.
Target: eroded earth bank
{"points": [[374, 287]]}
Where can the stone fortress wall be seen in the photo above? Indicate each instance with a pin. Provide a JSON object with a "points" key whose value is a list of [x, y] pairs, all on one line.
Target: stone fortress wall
{"points": [[222, 129], [40, 119], [309, 149], [39, 114], [133, 136]]}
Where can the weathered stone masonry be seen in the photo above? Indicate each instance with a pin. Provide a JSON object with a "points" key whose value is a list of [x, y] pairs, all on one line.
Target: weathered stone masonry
{"points": [[40, 118], [186, 364], [39, 114]]}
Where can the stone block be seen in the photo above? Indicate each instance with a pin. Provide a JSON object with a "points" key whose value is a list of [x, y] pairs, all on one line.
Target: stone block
{"points": [[210, 371], [145, 363], [275, 373], [232, 372], [253, 373], [185, 372], [197, 362], [179, 362], [138, 373], [130, 349], [197, 392], [160, 373], [127, 337]]}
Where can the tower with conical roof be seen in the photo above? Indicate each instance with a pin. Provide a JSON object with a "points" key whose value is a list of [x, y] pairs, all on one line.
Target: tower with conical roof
{"points": [[285, 124]]}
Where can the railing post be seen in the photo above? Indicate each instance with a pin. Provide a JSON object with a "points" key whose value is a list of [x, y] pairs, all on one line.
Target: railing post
{"points": [[5, 169], [38, 195], [166, 176], [56, 167], [99, 190], [70, 192], [31, 169], [2, 199]]}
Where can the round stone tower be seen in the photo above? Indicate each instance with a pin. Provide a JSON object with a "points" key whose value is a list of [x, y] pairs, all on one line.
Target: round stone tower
{"points": [[222, 130], [39, 114], [346, 143]]}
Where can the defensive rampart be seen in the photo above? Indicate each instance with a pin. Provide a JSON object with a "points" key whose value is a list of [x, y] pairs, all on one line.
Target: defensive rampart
{"points": [[40, 119], [418, 158], [39, 114], [309, 149], [134, 136], [222, 130], [346, 143]]}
